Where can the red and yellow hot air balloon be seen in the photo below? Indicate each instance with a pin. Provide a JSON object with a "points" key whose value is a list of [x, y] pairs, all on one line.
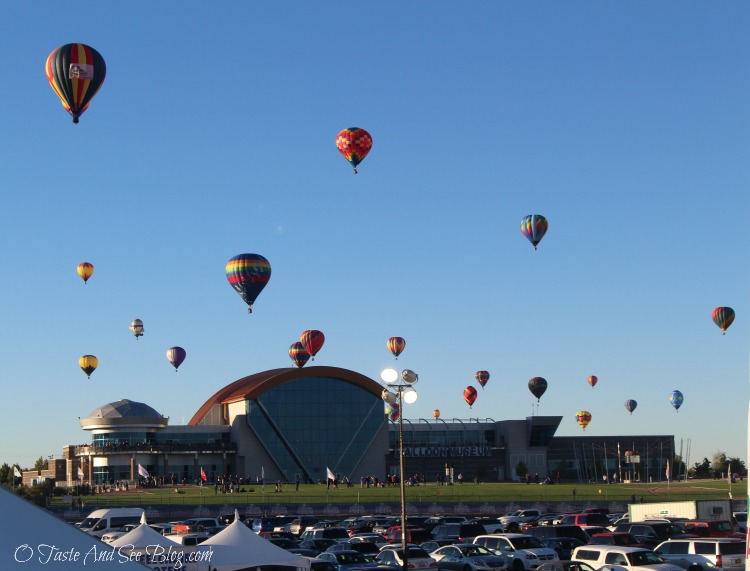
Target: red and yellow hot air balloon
{"points": [[723, 318], [583, 417], [482, 377], [298, 355], [85, 270], [354, 143], [396, 345], [592, 380], [75, 72], [312, 340], [470, 395]]}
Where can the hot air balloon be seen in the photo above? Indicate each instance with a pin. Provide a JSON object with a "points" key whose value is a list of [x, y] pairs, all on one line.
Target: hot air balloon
{"points": [[298, 354], [85, 270], [723, 317], [396, 345], [392, 410], [470, 395], [75, 72], [534, 227], [676, 399], [88, 363], [482, 377], [537, 386], [583, 417], [354, 143], [312, 340], [436, 414], [248, 274], [176, 355], [137, 328], [592, 380], [630, 405]]}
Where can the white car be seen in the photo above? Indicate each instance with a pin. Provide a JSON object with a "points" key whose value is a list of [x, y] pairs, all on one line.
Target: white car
{"points": [[616, 558], [417, 557], [110, 536], [526, 552]]}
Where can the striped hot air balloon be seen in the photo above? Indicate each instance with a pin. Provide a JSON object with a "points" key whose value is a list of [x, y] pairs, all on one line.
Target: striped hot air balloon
{"points": [[75, 72]]}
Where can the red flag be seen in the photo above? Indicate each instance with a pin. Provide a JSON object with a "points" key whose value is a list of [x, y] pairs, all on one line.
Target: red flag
{"points": [[203, 475]]}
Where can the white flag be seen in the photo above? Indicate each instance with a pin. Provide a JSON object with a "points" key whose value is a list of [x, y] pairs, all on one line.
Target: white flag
{"points": [[80, 473], [729, 472], [262, 473], [329, 474], [16, 473], [142, 471], [668, 470]]}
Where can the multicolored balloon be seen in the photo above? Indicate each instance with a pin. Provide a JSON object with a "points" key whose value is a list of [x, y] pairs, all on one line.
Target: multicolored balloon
{"points": [[298, 354], [136, 326], [393, 411], [248, 274], [482, 377], [630, 405], [75, 72], [676, 399], [354, 143], [85, 270], [592, 380], [176, 355], [583, 417], [396, 345], [534, 227], [470, 395], [723, 318], [436, 414], [88, 363], [312, 340], [537, 386]]}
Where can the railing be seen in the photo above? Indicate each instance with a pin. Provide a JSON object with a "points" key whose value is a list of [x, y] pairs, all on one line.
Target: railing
{"points": [[147, 448]]}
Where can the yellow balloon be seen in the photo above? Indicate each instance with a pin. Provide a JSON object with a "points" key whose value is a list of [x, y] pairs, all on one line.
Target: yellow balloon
{"points": [[88, 363]]}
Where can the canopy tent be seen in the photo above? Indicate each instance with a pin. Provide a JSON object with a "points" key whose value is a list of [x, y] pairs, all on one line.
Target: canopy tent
{"points": [[34, 539], [148, 546], [237, 547]]}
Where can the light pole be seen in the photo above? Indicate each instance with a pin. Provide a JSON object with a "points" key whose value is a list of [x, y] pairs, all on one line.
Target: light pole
{"points": [[403, 392]]}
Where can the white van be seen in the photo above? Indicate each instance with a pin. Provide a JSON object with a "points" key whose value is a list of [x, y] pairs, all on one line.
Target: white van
{"points": [[100, 522]]}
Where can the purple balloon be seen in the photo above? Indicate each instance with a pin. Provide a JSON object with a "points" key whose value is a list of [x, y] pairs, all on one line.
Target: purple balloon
{"points": [[176, 355]]}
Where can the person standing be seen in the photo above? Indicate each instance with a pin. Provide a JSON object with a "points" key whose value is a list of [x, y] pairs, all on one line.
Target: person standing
{"points": [[296, 483]]}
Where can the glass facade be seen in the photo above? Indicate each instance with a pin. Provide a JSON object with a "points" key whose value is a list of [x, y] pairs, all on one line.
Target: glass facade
{"points": [[310, 424]]}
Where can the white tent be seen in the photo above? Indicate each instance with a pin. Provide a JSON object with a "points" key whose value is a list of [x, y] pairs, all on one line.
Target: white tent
{"points": [[237, 547], [34, 539], [150, 547]]}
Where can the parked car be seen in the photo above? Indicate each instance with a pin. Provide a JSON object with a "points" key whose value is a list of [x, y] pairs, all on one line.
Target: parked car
{"points": [[563, 546], [463, 532], [726, 553], [110, 536], [417, 558], [374, 538], [653, 532], [468, 557], [615, 558], [741, 519], [430, 546], [347, 559], [525, 551], [565, 565], [369, 550], [616, 538], [548, 531], [593, 518], [714, 528]]}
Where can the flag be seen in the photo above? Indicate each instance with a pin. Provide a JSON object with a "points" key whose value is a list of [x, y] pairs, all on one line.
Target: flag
{"points": [[80, 473], [329, 474], [203, 474], [16, 473], [668, 471], [142, 471], [262, 473], [729, 473]]}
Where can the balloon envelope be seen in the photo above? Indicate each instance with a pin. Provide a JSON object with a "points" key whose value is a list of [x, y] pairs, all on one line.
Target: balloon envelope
{"points": [[354, 143], [436, 413], [592, 380], [537, 386], [85, 270], [312, 340], [470, 395], [482, 377], [298, 354], [534, 227], [583, 417], [723, 317], [75, 72], [88, 364], [136, 326], [396, 345], [176, 355], [676, 399], [248, 274], [630, 405]]}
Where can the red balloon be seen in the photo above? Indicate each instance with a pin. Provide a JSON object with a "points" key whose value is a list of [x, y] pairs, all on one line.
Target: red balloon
{"points": [[470, 395], [312, 340], [396, 345], [482, 377], [593, 379]]}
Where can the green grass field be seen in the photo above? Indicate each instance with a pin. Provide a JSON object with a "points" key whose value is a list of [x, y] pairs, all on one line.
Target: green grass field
{"points": [[491, 497]]}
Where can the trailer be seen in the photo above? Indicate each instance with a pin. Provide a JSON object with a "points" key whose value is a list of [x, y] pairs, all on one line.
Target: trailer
{"points": [[709, 510]]}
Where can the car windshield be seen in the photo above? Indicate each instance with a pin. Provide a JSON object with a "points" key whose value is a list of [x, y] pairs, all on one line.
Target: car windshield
{"points": [[526, 542], [475, 551], [89, 521], [644, 558], [351, 557]]}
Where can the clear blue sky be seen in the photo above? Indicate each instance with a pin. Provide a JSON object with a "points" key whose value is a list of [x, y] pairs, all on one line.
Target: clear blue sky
{"points": [[626, 124]]}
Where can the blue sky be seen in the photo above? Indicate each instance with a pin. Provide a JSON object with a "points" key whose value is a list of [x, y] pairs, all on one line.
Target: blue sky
{"points": [[624, 123]]}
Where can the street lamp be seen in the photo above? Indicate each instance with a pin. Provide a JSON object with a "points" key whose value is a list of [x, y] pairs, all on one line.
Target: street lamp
{"points": [[401, 385]]}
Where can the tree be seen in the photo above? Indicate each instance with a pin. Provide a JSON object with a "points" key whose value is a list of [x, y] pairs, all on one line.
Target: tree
{"points": [[702, 469], [719, 462], [41, 464], [737, 466]]}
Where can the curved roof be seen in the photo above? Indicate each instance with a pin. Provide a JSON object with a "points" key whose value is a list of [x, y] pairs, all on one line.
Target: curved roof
{"points": [[255, 385], [121, 414]]}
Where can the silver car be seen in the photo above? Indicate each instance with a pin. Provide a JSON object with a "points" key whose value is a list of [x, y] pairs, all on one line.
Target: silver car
{"points": [[468, 557]]}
